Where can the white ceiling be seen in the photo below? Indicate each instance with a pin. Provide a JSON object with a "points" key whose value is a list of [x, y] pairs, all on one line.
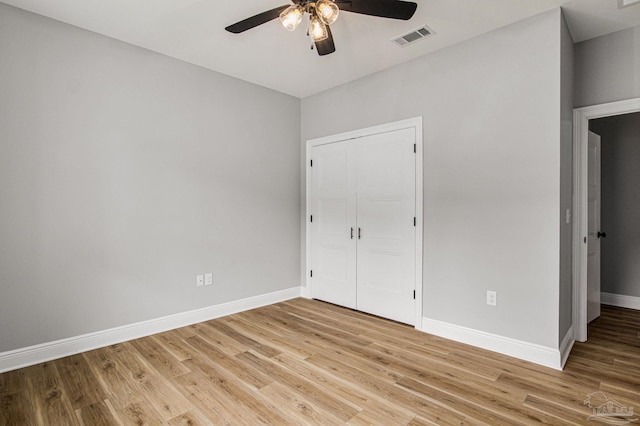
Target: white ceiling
{"points": [[193, 31]]}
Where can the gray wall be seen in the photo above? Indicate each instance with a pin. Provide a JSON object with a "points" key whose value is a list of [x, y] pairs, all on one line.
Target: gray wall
{"points": [[491, 110], [608, 68], [566, 180], [124, 173], [620, 269]]}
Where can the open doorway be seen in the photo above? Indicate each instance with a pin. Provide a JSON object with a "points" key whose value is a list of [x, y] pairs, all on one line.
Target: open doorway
{"points": [[620, 221], [619, 216]]}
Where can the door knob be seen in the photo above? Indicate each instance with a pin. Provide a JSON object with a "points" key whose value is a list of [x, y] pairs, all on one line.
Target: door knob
{"points": [[602, 234]]}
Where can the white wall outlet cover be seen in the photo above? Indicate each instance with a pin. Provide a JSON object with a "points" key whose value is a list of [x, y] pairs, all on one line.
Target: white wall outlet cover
{"points": [[492, 298], [200, 280], [208, 279]]}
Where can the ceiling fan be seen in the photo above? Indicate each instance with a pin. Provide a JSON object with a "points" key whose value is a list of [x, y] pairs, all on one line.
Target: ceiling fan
{"points": [[323, 13]]}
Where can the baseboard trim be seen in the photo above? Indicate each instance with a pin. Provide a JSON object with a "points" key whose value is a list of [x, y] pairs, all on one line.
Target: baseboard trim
{"points": [[620, 300], [304, 292], [538, 354], [36, 354], [566, 345]]}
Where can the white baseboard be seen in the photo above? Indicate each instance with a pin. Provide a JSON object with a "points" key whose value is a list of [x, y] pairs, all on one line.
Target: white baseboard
{"points": [[620, 300], [566, 345], [36, 354], [543, 355], [305, 292]]}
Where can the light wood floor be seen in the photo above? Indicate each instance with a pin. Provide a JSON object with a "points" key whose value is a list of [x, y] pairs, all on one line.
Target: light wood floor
{"points": [[309, 362]]}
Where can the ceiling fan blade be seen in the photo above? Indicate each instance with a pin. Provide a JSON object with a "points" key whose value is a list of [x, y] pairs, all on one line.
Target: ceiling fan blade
{"points": [[326, 46], [254, 21], [395, 9]]}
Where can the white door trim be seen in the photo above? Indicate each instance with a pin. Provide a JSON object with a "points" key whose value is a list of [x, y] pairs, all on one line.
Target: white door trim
{"points": [[416, 124], [581, 117]]}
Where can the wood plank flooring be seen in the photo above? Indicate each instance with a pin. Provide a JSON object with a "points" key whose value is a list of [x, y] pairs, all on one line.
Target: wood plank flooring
{"points": [[309, 362]]}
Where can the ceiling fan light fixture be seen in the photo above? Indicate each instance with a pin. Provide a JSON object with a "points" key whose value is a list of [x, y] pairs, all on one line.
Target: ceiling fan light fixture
{"points": [[317, 29], [323, 13], [327, 11], [291, 17]]}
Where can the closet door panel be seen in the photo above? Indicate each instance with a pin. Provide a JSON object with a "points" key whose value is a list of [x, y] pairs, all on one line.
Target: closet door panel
{"points": [[386, 210], [333, 205]]}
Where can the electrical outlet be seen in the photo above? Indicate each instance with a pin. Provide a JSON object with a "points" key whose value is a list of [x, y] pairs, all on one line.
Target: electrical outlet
{"points": [[492, 298], [200, 280], [208, 279]]}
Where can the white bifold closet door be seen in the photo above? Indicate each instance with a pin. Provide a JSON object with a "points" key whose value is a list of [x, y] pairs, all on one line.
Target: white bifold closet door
{"points": [[363, 230]]}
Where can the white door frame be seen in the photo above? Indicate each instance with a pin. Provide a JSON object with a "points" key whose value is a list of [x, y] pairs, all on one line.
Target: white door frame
{"points": [[581, 117], [415, 123]]}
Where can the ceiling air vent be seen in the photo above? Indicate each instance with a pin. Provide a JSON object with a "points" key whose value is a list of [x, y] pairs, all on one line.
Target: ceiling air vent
{"points": [[415, 35]]}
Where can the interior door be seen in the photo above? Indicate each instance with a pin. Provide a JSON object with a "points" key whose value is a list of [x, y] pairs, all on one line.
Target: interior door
{"points": [[593, 234], [333, 204], [385, 221]]}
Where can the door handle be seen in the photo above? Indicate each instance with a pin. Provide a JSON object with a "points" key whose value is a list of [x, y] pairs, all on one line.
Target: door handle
{"points": [[352, 233], [602, 234], [358, 233]]}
